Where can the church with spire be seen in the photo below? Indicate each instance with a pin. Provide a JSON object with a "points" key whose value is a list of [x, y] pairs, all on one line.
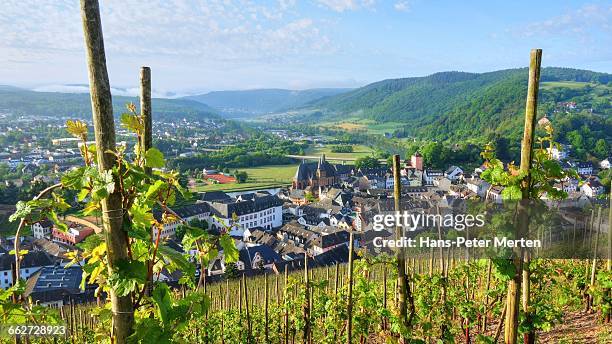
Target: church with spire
{"points": [[314, 175]]}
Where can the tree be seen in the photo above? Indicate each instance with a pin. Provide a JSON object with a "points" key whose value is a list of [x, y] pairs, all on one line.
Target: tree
{"points": [[241, 177], [310, 197], [601, 149], [502, 149], [366, 162], [231, 271], [435, 154], [344, 148]]}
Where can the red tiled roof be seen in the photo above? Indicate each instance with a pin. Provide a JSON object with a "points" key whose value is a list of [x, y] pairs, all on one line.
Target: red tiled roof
{"points": [[221, 178]]}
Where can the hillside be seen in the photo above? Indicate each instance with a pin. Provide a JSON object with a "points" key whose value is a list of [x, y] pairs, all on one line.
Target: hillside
{"points": [[458, 105], [255, 102], [20, 101]]}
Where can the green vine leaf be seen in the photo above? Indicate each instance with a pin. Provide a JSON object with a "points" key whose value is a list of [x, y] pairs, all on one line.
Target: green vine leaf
{"points": [[154, 158], [230, 252]]}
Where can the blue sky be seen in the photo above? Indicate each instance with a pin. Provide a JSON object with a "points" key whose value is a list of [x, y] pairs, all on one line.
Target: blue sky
{"points": [[196, 46]]}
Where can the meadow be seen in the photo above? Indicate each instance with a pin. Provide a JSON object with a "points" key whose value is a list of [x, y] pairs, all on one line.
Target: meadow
{"points": [[261, 177]]}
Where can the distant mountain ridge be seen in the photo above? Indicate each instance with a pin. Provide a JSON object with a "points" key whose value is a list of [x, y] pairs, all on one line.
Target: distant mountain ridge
{"points": [[248, 103], [448, 104], [78, 105]]}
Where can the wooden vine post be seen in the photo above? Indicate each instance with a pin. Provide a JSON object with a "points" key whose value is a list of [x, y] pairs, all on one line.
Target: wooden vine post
{"points": [[594, 263], [609, 262], [146, 141], [349, 307], [513, 295], [404, 296], [104, 130], [146, 110], [266, 311], [306, 306]]}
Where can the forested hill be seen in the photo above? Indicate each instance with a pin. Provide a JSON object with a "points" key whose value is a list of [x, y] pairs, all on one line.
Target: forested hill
{"points": [[461, 105], [262, 101], [25, 102]]}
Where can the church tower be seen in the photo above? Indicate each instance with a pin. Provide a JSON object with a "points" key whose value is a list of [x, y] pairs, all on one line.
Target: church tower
{"points": [[416, 161], [321, 171]]}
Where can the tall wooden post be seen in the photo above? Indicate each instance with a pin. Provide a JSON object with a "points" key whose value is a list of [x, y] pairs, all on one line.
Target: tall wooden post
{"points": [[145, 109], [104, 130], [609, 262], [246, 307], [146, 141], [266, 312], [349, 308], [306, 305], [594, 264], [286, 310], [402, 282], [513, 296]]}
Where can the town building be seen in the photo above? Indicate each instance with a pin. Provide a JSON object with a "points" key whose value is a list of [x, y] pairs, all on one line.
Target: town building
{"points": [[56, 286], [253, 210], [430, 175], [494, 194], [329, 241], [72, 236], [416, 162], [584, 168], [30, 264], [42, 229], [453, 173], [558, 152], [314, 175], [198, 211], [477, 186], [592, 188]]}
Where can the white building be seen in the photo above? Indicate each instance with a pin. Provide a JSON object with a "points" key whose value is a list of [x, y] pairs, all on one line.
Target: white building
{"points": [[198, 211], [430, 175], [558, 152], [568, 185], [253, 210], [592, 188], [42, 229], [390, 182], [30, 264], [478, 186], [584, 168], [453, 173], [494, 194]]}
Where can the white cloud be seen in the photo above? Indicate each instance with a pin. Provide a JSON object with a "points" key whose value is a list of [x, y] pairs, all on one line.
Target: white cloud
{"points": [[78, 88], [402, 6], [583, 22], [346, 5], [220, 30]]}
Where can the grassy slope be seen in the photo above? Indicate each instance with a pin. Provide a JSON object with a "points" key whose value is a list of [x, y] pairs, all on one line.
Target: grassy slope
{"points": [[358, 151], [568, 84], [279, 175], [259, 178], [450, 104]]}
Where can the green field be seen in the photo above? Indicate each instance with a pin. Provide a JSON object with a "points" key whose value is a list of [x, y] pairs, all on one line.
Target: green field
{"points": [[567, 84], [366, 125], [358, 152], [262, 177]]}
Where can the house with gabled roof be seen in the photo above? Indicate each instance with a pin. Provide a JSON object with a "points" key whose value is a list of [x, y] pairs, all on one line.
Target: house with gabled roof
{"points": [[326, 242], [30, 264], [56, 286], [592, 187]]}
